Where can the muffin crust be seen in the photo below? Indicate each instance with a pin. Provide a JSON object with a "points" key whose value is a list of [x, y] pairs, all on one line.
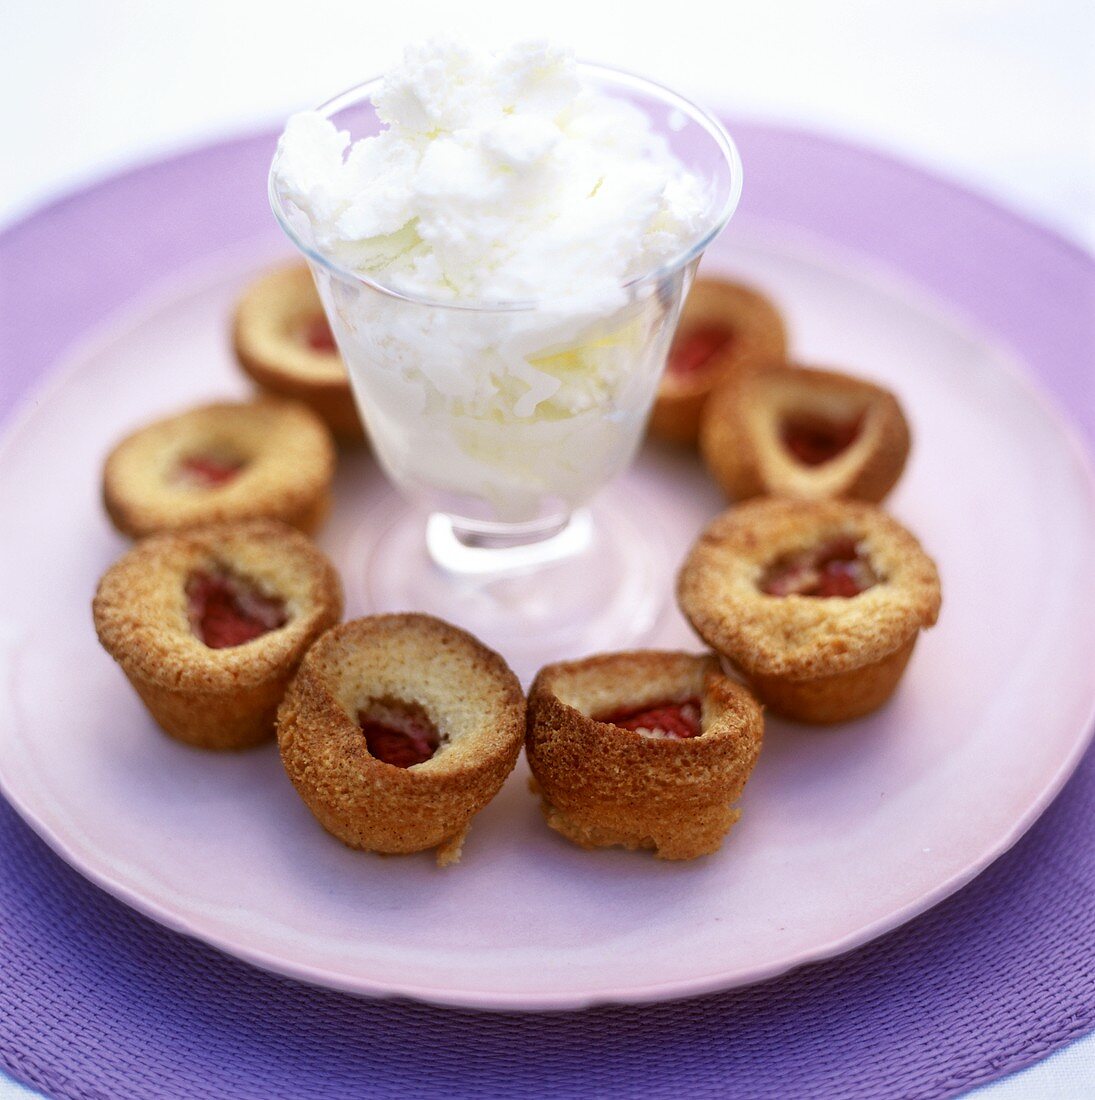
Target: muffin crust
{"points": [[282, 342], [807, 657], [280, 454], [217, 698], [753, 330], [746, 444], [466, 691], [602, 785]]}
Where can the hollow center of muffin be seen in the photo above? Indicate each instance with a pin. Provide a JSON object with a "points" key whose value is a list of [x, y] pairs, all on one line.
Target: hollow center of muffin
{"points": [[316, 334], [673, 720], [835, 568], [206, 470], [815, 440], [695, 347], [226, 609], [398, 733]]}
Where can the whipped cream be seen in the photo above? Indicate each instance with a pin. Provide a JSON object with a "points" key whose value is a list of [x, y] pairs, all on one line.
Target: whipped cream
{"points": [[496, 178], [499, 177]]}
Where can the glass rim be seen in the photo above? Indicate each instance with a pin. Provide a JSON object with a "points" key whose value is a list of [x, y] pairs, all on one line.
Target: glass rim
{"points": [[621, 77]]}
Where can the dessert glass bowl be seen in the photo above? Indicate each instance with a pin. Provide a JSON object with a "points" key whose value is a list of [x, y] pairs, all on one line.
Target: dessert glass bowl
{"points": [[499, 537]]}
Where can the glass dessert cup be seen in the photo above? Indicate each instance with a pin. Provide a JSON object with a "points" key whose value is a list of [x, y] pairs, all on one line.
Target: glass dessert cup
{"points": [[500, 422]]}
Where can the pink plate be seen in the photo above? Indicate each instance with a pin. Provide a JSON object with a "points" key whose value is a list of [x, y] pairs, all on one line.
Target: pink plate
{"points": [[845, 833]]}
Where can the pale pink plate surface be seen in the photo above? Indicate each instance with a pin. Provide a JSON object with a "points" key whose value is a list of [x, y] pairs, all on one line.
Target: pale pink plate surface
{"points": [[846, 832]]}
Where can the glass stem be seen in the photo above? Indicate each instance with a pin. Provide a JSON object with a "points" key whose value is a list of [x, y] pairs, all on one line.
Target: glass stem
{"points": [[495, 550]]}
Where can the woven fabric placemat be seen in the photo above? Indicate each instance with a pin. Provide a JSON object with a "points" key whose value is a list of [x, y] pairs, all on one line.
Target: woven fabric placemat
{"points": [[98, 1001]]}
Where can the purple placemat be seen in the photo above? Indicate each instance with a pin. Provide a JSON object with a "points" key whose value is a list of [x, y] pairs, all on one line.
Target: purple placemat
{"points": [[97, 1001]]}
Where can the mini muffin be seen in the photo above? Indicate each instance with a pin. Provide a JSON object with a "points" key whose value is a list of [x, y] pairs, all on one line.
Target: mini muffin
{"points": [[724, 327], [817, 603], [642, 750], [784, 430], [210, 624], [228, 461], [283, 342], [398, 730]]}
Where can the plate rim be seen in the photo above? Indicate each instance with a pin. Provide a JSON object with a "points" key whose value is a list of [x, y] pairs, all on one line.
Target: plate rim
{"points": [[14, 418]]}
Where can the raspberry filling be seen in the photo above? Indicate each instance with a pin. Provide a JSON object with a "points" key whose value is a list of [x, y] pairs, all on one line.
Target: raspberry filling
{"points": [[316, 333], [204, 471], [674, 721], [226, 610], [834, 569], [815, 440], [692, 350], [400, 734]]}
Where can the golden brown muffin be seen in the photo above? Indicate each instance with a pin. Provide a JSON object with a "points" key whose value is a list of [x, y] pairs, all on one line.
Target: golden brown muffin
{"points": [[217, 463], [645, 749], [724, 327], [283, 342], [210, 624], [398, 730], [817, 603], [784, 430]]}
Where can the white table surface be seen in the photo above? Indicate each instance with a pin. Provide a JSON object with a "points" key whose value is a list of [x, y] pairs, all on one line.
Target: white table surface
{"points": [[996, 94]]}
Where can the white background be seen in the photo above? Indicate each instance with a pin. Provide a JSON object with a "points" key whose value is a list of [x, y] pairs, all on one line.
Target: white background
{"points": [[997, 94]]}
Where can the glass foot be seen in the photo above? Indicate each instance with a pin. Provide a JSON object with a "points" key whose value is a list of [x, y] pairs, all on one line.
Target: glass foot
{"points": [[597, 583]]}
